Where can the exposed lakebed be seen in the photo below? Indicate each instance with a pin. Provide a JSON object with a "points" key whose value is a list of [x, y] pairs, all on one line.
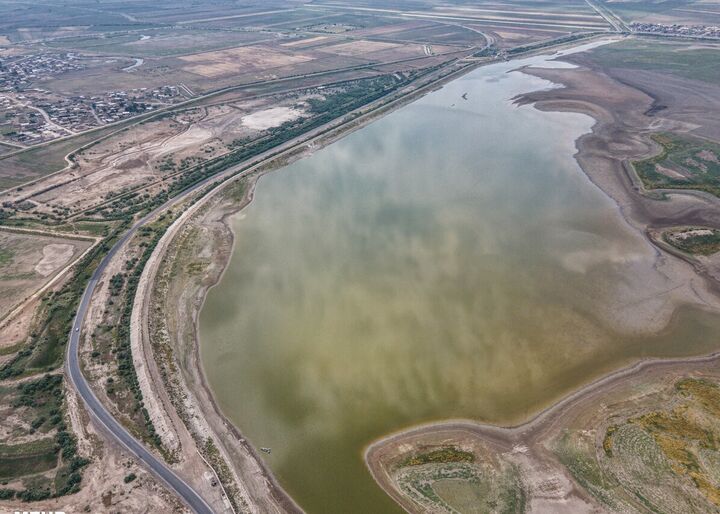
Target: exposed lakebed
{"points": [[450, 260]]}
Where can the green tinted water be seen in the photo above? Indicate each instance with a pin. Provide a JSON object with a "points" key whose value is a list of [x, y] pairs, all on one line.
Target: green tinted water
{"points": [[449, 260]]}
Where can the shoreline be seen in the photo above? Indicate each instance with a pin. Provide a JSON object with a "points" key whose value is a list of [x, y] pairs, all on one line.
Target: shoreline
{"points": [[533, 430], [278, 492], [643, 221], [546, 415], [280, 501]]}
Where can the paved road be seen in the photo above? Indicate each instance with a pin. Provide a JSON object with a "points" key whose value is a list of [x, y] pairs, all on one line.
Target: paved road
{"points": [[72, 363], [98, 410]]}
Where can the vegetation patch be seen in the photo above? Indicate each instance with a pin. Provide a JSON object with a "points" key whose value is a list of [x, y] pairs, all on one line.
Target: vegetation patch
{"points": [[684, 162], [44, 398], [50, 466], [464, 487], [111, 339], [19, 460], [664, 459], [576, 452], [439, 456], [6, 256], [211, 453], [698, 241]]}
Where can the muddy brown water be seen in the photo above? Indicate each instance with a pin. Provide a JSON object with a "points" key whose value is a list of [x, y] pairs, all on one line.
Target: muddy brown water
{"points": [[450, 260]]}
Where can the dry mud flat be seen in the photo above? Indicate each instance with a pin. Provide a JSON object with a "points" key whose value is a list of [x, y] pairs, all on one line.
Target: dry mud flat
{"points": [[146, 157], [30, 260], [627, 107], [535, 457], [625, 116]]}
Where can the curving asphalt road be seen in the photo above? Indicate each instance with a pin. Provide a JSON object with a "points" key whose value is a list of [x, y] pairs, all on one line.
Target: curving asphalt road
{"points": [[72, 363], [96, 408]]}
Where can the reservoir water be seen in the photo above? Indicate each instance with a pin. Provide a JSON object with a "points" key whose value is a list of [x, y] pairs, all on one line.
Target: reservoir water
{"points": [[450, 260]]}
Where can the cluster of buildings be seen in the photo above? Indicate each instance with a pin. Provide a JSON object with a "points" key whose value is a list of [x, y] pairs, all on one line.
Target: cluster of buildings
{"points": [[32, 115], [17, 73], [24, 125], [706, 31], [114, 105]]}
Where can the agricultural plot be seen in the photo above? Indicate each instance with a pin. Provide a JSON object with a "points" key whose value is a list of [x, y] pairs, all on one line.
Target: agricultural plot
{"points": [[531, 17], [246, 59], [683, 163], [571, 15], [507, 24], [45, 463], [398, 33], [282, 17], [383, 51], [90, 24], [27, 261], [111, 76], [185, 12], [436, 33], [24, 22], [27, 459], [206, 71], [335, 22]]}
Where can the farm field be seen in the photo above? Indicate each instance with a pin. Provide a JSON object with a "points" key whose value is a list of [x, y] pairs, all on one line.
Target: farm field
{"points": [[38, 456], [159, 42], [509, 24]]}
